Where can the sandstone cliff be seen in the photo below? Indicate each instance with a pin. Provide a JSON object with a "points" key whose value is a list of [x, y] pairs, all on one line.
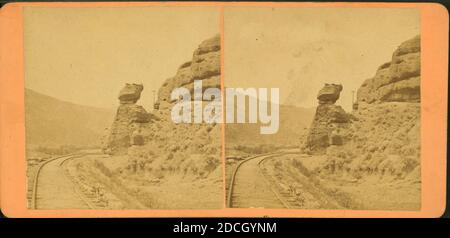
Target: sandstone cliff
{"points": [[397, 80], [205, 66], [369, 159], [382, 136], [154, 145]]}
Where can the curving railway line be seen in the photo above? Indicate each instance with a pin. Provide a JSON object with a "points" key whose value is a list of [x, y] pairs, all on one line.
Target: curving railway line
{"points": [[251, 187], [54, 189]]}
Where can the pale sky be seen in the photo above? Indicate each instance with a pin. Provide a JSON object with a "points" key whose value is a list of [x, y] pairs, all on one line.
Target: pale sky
{"points": [[86, 55], [300, 49]]}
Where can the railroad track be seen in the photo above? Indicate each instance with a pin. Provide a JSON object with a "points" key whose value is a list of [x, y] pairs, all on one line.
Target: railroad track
{"points": [[251, 187], [53, 187]]}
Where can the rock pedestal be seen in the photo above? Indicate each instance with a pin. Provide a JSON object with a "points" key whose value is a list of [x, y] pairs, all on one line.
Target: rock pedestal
{"points": [[131, 93], [128, 117], [329, 94], [328, 120]]}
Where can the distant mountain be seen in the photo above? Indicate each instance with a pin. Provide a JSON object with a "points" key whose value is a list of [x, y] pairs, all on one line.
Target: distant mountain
{"points": [[294, 124], [52, 122]]}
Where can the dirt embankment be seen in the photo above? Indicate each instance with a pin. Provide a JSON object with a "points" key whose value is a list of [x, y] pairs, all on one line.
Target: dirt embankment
{"points": [[319, 188], [102, 180]]}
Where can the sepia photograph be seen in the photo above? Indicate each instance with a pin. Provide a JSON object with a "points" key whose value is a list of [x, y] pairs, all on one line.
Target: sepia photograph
{"points": [[346, 106], [224, 109], [99, 132]]}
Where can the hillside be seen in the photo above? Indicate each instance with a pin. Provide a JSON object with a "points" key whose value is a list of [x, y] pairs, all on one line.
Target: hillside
{"points": [[294, 124], [52, 122]]}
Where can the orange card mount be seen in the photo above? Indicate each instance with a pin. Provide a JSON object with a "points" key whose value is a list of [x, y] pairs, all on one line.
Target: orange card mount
{"points": [[230, 109]]}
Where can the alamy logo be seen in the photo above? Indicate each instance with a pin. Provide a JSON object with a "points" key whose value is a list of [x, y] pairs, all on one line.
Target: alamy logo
{"points": [[193, 110]]}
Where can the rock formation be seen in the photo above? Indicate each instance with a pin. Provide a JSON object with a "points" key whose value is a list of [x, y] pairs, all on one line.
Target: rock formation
{"points": [[383, 136], [329, 94], [128, 118], [130, 93], [394, 81], [205, 66], [397, 80], [328, 121], [154, 141]]}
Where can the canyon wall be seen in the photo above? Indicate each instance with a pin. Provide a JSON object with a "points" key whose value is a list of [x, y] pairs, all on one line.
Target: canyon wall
{"points": [[381, 136], [397, 80], [154, 145]]}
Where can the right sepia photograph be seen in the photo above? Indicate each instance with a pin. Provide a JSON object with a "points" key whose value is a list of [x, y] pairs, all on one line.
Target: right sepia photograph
{"points": [[322, 108]]}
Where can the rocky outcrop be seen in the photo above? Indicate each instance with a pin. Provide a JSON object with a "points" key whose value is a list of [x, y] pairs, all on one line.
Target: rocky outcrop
{"points": [[128, 118], [131, 93], [153, 141], [329, 93], [205, 66], [383, 138], [397, 80], [329, 121]]}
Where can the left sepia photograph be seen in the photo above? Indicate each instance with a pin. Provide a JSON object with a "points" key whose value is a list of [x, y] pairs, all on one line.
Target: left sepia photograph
{"points": [[98, 100]]}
